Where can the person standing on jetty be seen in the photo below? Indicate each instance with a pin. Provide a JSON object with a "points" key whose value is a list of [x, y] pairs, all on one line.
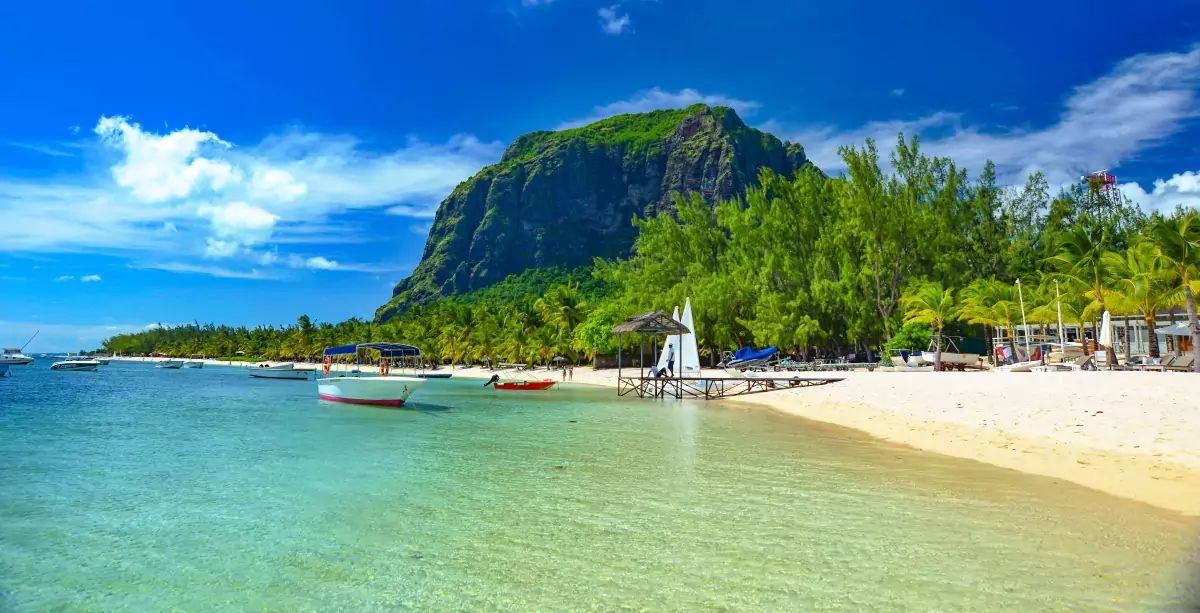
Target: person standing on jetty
{"points": [[671, 359]]}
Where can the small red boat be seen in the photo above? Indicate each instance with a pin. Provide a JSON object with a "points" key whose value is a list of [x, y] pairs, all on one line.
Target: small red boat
{"points": [[544, 384]]}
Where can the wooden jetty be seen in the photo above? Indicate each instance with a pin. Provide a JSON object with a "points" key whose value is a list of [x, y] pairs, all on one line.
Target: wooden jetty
{"points": [[710, 388], [657, 323]]}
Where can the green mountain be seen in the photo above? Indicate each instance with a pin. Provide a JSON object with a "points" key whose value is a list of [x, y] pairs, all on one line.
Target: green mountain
{"points": [[560, 199]]}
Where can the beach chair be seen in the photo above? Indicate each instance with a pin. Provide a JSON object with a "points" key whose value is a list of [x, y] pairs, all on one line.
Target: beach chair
{"points": [[1183, 364], [1161, 366]]}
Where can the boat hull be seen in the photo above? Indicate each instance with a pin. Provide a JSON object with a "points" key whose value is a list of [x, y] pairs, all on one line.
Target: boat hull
{"points": [[13, 361], [169, 364], [1018, 366], [194, 365], [375, 391], [434, 375], [927, 358], [272, 373], [82, 366], [530, 386]]}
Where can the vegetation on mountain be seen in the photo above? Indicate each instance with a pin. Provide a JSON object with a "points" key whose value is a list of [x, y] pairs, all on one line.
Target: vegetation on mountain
{"points": [[560, 199]]}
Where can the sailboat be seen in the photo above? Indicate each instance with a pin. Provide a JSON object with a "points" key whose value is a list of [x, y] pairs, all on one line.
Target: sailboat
{"points": [[687, 354]]}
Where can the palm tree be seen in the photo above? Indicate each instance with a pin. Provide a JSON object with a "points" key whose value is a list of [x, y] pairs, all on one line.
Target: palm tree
{"points": [[1144, 282], [1178, 241], [930, 303], [1082, 256]]}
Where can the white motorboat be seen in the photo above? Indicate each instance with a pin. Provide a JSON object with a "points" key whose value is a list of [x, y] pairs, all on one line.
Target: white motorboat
{"points": [[14, 357], [86, 365], [380, 391], [280, 371], [172, 364], [282, 366], [103, 361], [194, 364], [384, 390]]}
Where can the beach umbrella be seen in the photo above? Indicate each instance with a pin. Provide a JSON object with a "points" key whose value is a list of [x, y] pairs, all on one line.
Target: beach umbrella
{"points": [[1179, 329], [1106, 331], [559, 358]]}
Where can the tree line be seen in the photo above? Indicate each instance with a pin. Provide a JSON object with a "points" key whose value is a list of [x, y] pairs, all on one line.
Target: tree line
{"points": [[810, 263]]}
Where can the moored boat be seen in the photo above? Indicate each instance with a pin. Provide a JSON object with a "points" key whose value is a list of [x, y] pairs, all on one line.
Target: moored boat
{"points": [[519, 385], [82, 365], [171, 364], [280, 371], [14, 357], [194, 364], [384, 390]]}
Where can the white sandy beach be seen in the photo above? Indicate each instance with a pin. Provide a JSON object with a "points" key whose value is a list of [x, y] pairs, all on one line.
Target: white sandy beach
{"points": [[1131, 434]]}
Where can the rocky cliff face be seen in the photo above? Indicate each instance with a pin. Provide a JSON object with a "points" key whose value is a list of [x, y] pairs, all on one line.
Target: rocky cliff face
{"points": [[563, 198]]}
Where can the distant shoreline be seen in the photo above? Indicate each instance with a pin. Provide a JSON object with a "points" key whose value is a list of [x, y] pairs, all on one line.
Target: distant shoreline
{"points": [[1129, 434]]}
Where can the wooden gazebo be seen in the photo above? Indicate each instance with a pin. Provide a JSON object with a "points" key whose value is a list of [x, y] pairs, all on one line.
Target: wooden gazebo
{"points": [[651, 324]]}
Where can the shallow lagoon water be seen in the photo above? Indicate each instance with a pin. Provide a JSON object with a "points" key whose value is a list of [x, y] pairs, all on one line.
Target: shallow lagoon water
{"points": [[137, 488]]}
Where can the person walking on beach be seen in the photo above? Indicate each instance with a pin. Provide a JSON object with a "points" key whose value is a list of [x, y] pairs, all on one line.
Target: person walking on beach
{"points": [[671, 359], [571, 372]]}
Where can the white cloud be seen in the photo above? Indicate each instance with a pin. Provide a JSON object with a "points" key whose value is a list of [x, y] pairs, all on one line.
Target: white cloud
{"points": [[278, 185], [320, 263], [216, 249], [200, 269], [157, 168], [1142, 100], [62, 278], [898, 92], [90, 279], [241, 222], [612, 20], [1182, 189], [533, 3], [197, 196], [656, 98], [42, 149]]}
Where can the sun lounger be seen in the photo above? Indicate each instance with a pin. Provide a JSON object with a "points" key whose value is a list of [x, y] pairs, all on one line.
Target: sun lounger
{"points": [[1161, 366], [1183, 364]]}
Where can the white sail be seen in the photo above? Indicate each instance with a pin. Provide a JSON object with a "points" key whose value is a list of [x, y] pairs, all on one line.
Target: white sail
{"points": [[674, 340], [689, 354]]}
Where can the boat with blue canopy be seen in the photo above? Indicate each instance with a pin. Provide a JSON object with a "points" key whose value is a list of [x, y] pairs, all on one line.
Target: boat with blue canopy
{"points": [[351, 388]]}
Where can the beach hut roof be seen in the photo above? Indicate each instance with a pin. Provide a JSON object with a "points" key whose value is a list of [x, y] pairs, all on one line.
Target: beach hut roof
{"points": [[654, 322]]}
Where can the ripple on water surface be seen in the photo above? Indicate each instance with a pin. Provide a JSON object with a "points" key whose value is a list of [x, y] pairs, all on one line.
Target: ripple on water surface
{"points": [[141, 488]]}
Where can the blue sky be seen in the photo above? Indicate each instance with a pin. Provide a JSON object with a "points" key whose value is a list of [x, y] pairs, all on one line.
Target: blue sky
{"points": [[248, 162]]}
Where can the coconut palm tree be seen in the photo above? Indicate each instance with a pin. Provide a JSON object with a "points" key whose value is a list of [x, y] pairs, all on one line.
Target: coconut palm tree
{"points": [[1144, 282], [992, 303], [930, 303], [1178, 241], [1082, 255]]}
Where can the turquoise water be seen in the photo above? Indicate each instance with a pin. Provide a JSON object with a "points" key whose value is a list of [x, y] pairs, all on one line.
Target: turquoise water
{"points": [[142, 489]]}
